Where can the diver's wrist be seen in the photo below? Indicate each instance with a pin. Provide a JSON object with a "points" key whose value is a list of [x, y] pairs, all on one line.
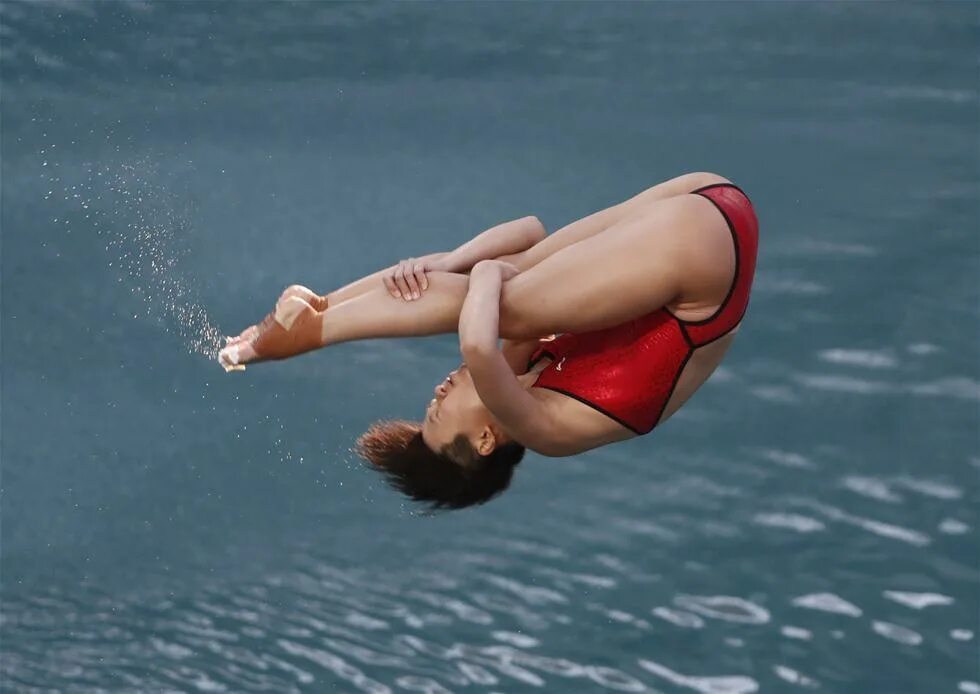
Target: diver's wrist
{"points": [[486, 271]]}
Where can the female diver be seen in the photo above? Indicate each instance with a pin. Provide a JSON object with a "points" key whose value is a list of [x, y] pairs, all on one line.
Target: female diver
{"points": [[646, 297]]}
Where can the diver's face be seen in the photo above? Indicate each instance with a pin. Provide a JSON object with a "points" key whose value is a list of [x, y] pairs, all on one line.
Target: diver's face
{"points": [[455, 409]]}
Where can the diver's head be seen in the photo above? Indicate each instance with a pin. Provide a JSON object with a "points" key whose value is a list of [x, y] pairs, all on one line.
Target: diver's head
{"points": [[457, 456], [457, 410]]}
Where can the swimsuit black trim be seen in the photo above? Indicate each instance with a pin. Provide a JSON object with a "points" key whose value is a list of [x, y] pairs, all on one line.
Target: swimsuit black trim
{"points": [[727, 332], [680, 324], [582, 400], [594, 407], [726, 184], [731, 288]]}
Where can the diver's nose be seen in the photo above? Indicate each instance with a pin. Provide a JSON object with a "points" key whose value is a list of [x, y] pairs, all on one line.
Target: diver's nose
{"points": [[441, 390]]}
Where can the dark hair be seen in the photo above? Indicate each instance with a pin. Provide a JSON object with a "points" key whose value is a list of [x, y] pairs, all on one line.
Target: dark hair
{"points": [[455, 477]]}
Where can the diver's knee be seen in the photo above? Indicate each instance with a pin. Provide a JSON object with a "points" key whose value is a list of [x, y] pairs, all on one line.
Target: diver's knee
{"points": [[516, 322]]}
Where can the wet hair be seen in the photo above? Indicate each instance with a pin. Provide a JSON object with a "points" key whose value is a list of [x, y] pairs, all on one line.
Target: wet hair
{"points": [[455, 477]]}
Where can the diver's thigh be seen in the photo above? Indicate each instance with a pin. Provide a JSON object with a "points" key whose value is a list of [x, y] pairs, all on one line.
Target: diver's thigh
{"points": [[600, 221], [626, 272]]}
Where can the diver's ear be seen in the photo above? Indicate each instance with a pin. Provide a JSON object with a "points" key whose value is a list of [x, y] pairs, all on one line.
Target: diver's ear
{"points": [[487, 442]]}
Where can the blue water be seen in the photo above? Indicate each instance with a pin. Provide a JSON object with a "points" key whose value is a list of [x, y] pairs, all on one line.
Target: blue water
{"points": [[808, 521]]}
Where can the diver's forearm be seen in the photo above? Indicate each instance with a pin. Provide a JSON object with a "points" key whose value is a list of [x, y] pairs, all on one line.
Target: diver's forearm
{"points": [[479, 318], [503, 239]]}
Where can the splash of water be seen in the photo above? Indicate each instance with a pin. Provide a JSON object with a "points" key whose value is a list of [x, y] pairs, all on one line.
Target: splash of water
{"points": [[144, 227]]}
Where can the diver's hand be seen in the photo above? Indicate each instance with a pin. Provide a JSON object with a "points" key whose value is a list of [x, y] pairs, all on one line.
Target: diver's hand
{"points": [[294, 326], [408, 280]]}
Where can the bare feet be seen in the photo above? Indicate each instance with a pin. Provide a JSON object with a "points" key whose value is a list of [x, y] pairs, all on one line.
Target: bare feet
{"points": [[294, 327]]}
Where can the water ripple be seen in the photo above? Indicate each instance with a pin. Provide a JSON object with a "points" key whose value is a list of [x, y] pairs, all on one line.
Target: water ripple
{"points": [[789, 521], [857, 357], [870, 487], [790, 675], [798, 633], [937, 490], [918, 601], [724, 607], [827, 602], [897, 633], [876, 527], [678, 617], [733, 684], [336, 665], [951, 526]]}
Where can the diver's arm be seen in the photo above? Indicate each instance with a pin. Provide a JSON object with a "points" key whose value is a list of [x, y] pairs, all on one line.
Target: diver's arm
{"points": [[506, 239], [500, 240], [376, 314], [521, 414]]}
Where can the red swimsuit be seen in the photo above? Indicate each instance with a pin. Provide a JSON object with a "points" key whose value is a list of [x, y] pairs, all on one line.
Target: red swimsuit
{"points": [[628, 372]]}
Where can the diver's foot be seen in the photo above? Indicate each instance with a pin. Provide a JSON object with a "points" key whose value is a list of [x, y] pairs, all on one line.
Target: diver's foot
{"points": [[260, 341], [235, 356], [248, 334], [293, 328]]}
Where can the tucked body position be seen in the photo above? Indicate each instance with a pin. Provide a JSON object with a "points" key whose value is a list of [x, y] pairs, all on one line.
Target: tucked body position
{"points": [[591, 335]]}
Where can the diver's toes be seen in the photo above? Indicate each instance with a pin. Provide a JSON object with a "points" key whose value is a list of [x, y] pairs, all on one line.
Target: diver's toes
{"points": [[228, 356], [235, 356]]}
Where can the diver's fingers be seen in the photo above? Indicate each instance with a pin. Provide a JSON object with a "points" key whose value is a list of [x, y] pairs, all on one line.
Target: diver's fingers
{"points": [[420, 276], [389, 281], [413, 284], [401, 283], [408, 271]]}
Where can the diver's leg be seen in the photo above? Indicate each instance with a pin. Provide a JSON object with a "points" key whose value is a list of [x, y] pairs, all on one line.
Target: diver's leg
{"points": [[595, 283], [572, 233], [296, 326], [678, 249], [587, 227]]}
